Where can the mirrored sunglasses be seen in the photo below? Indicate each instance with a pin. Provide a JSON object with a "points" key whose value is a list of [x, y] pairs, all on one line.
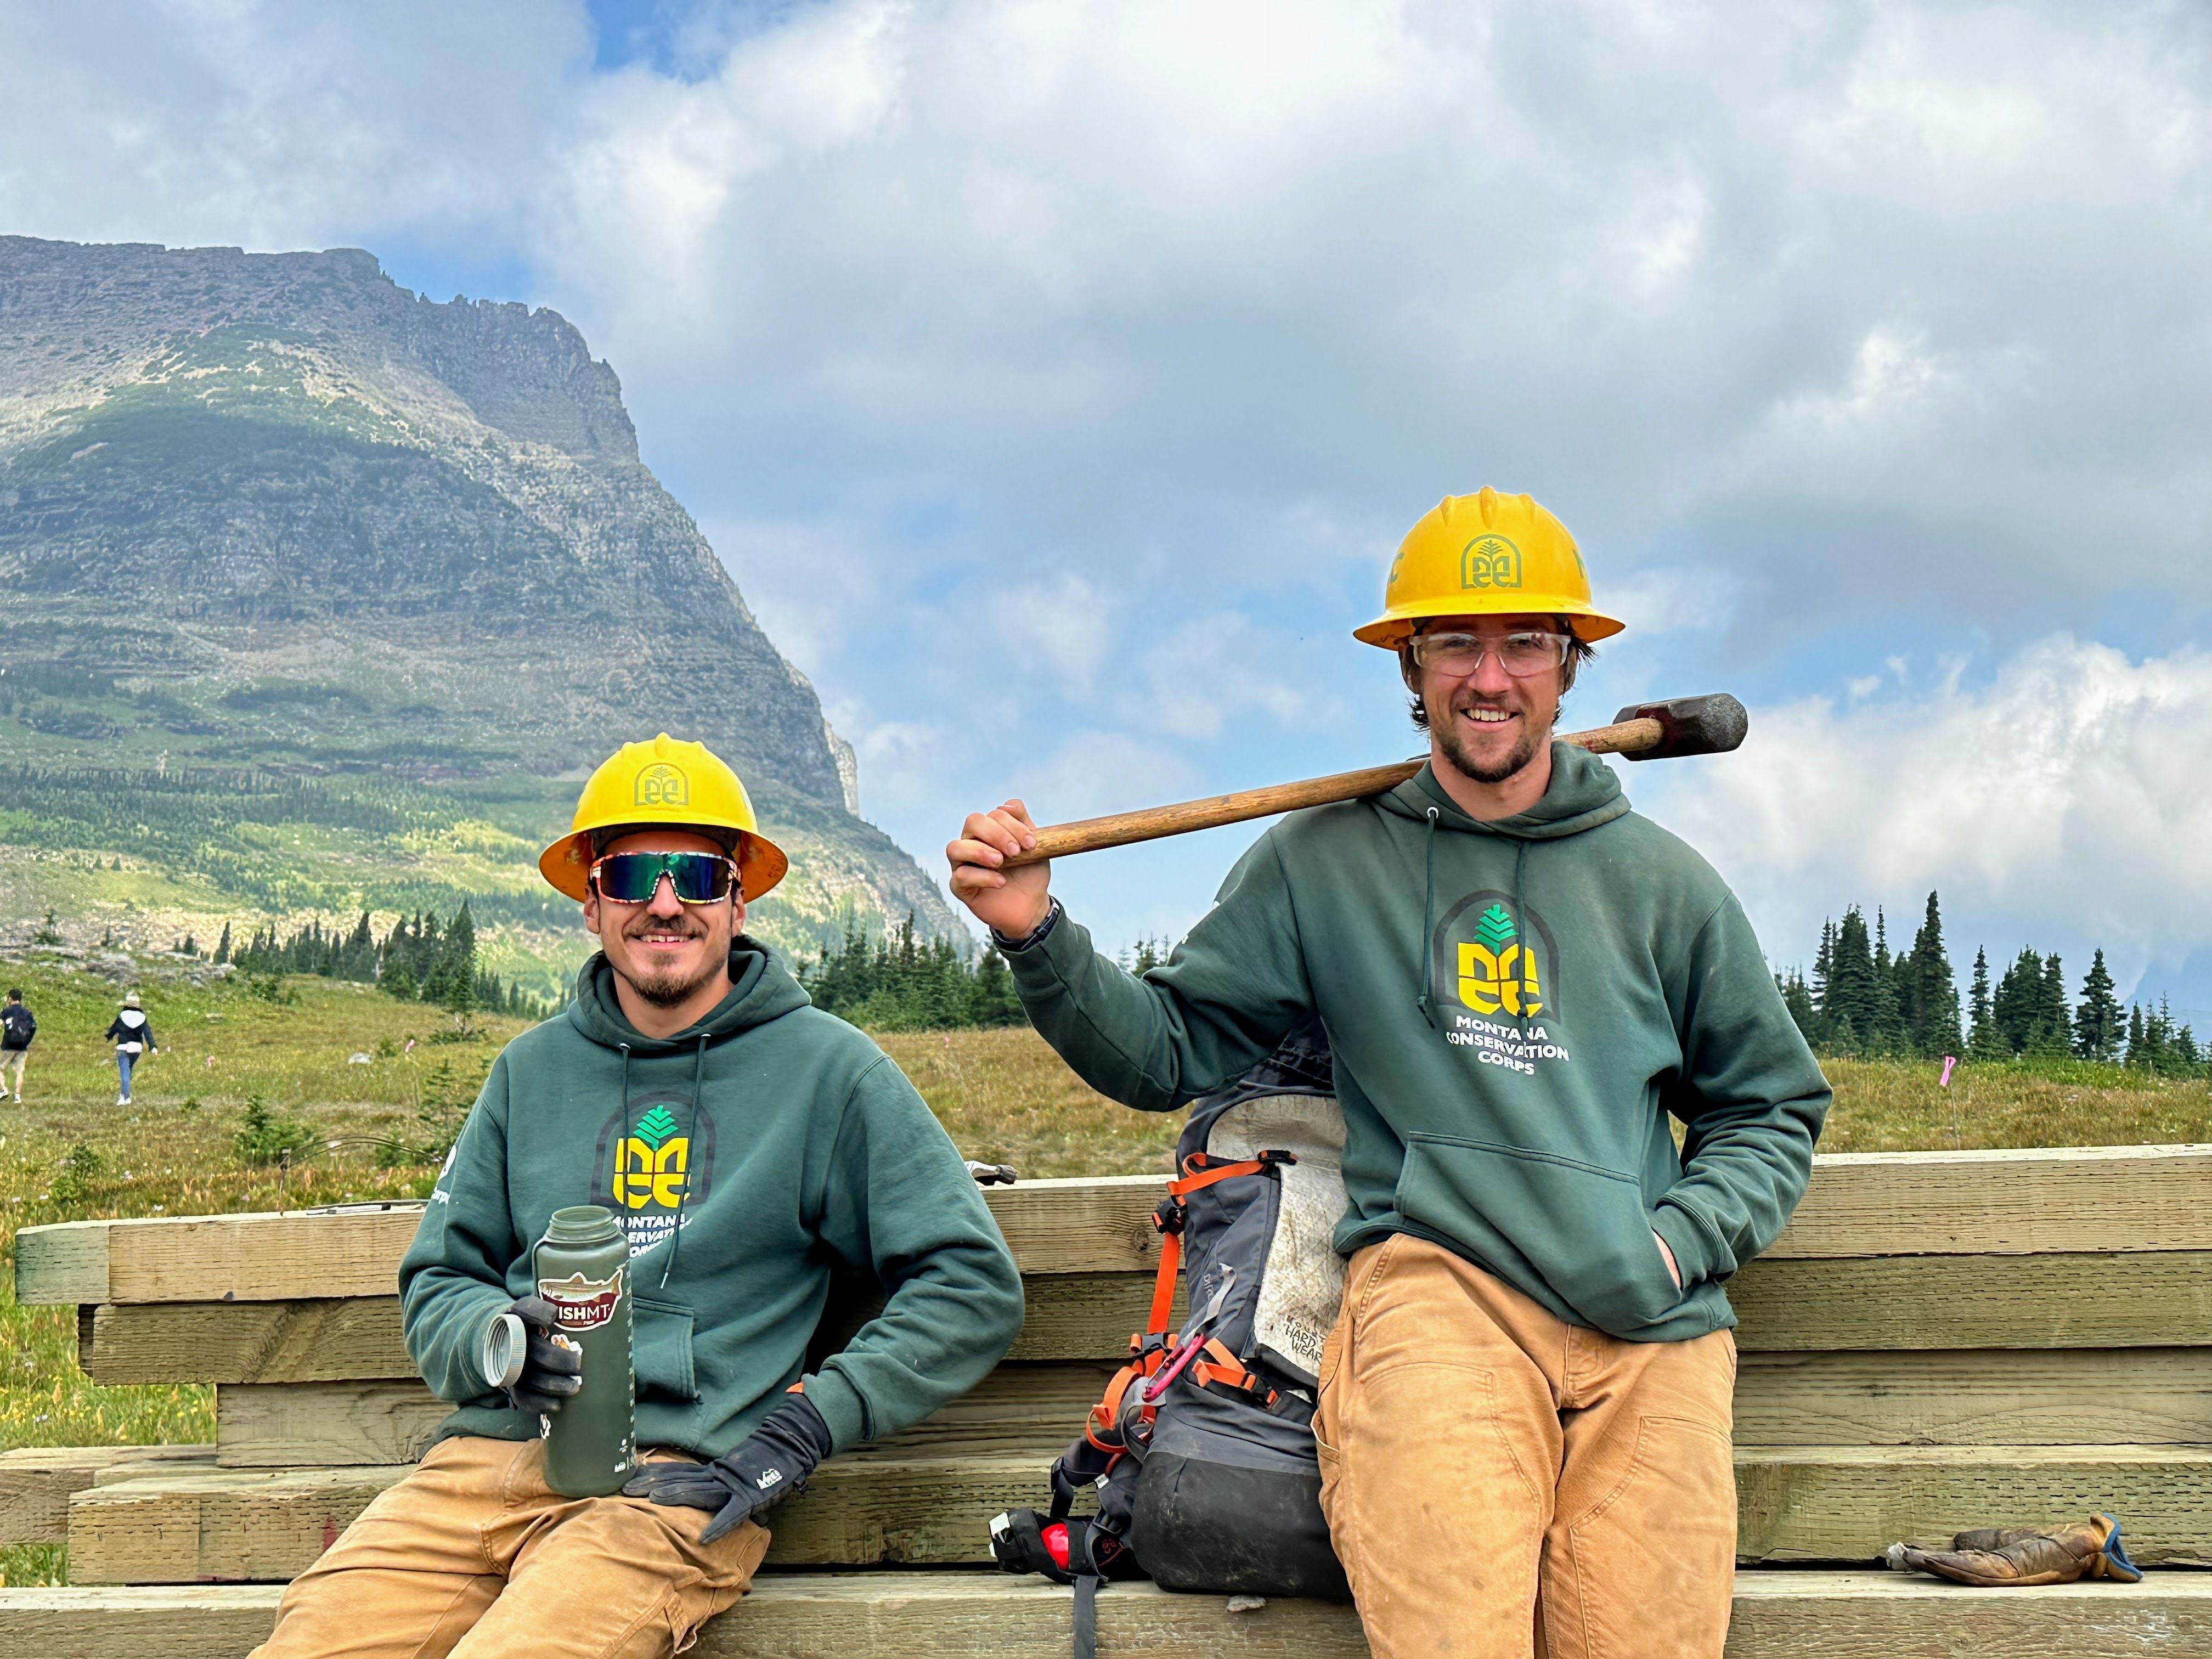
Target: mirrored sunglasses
{"points": [[633, 877]]}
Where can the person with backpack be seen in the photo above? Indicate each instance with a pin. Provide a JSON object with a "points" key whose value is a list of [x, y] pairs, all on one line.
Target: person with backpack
{"points": [[133, 1039], [17, 1027], [1524, 1405], [751, 1147]]}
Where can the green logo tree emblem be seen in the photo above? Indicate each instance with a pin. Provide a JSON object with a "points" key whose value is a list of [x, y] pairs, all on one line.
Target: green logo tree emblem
{"points": [[655, 1127]]}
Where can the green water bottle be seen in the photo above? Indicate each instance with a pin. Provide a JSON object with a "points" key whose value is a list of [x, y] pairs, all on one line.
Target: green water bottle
{"points": [[582, 1268]]}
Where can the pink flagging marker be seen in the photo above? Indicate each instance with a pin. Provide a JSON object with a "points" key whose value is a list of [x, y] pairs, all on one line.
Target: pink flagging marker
{"points": [[1949, 1060]]}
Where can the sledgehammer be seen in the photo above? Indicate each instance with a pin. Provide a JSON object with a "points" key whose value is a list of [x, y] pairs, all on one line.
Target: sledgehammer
{"points": [[1711, 725]]}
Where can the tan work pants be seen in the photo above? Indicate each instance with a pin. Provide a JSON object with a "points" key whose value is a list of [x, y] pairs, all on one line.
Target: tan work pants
{"points": [[473, 1555], [1501, 1484]]}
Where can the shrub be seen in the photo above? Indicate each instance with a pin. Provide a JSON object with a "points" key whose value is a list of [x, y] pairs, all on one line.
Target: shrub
{"points": [[73, 1186], [265, 1137]]}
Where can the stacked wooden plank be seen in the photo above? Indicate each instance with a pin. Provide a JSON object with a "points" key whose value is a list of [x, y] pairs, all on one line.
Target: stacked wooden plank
{"points": [[1939, 1341]]}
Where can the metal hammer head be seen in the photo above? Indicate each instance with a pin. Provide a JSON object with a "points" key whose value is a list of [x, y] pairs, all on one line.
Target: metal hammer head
{"points": [[1711, 725]]}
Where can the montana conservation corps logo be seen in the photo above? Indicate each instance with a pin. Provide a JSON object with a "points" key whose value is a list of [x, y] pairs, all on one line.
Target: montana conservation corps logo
{"points": [[1497, 972], [1490, 562], [663, 785], [647, 1161], [1493, 974]]}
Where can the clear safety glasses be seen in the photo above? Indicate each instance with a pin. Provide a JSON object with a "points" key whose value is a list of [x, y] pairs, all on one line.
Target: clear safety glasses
{"points": [[1519, 654], [633, 877]]}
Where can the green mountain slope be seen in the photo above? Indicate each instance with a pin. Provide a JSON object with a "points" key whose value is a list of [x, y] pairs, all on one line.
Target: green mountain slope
{"points": [[317, 596]]}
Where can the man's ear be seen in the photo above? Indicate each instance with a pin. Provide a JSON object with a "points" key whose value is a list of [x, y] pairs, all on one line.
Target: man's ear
{"points": [[592, 912], [737, 913]]}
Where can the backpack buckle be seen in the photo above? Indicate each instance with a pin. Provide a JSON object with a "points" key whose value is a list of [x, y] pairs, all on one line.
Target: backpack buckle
{"points": [[1169, 1215]]}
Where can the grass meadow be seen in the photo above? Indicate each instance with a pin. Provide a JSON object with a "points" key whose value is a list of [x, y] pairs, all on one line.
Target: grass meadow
{"points": [[182, 1147]]}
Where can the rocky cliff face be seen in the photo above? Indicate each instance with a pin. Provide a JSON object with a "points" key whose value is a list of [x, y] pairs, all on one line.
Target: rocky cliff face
{"points": [[315, 522]]}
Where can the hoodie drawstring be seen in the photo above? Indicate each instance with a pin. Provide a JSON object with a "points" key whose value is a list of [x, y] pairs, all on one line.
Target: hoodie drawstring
{"points": [[1421, 963], [1520, 927], [691, 1139]]}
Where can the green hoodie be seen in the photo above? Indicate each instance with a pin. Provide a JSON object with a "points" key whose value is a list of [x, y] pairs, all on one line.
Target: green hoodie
{"points": [[1516, 1010], [746, 1157]]}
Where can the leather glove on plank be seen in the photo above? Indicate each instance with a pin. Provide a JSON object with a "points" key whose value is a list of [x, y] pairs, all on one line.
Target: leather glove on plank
{"points": [[550, 1372], [767, 1467], [2021, 1555]]}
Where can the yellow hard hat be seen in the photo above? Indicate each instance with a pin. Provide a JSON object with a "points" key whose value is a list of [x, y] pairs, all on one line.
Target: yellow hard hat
{"points": [[671, 784], [1486, 555]]}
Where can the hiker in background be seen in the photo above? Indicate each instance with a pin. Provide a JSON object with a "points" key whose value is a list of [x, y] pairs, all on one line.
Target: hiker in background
{"points": [[750, 1145], [17, 1027], [133, 1039], [1525, 1406]]}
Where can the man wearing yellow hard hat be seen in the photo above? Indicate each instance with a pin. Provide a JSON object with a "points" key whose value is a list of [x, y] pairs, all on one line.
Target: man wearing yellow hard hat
{"points": [[748, 1145], [1523, 1411]]}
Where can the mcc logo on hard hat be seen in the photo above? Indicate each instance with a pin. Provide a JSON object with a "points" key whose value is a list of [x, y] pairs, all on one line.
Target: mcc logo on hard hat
{"points": [[1486, 555], [665, 784]]}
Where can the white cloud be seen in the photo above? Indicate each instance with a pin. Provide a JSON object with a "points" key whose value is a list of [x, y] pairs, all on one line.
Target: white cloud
{"points": [[1093, 773], [1063, 626], [2067, 804], [1209, 672], [269, 124]]}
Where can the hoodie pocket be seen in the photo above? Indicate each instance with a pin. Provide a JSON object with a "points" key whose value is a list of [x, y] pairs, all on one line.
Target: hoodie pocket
{"points": [[660, 1352], [1580, 1230]]}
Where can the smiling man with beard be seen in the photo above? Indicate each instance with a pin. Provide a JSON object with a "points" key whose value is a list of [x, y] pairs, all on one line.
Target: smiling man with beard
{"points": [[750, 1145], [1524, 1409]]}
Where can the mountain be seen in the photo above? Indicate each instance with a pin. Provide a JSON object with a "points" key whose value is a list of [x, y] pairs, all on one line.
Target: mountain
{"points": [[317, 595]]}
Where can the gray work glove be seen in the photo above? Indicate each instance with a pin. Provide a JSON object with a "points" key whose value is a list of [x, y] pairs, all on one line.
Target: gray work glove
{"points": [[2021, 1555], [767, 1467], [551, 1371]]}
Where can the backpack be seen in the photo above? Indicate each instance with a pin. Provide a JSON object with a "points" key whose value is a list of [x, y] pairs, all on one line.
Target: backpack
{"points": [[1202, 1449], [20, 1027]]}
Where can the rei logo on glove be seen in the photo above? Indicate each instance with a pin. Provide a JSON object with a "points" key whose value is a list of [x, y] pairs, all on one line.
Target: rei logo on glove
{"points": [[768, 1480]]}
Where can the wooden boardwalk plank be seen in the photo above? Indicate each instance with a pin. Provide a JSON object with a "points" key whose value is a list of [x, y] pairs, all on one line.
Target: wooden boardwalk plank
{"points": [[1990, 1397], [2131, 1300], [1026, 1408], [1999, 1397], [1055, 1226], [2060, 1199], [1848, 1503], [1798, 1503], [2138, 1299], [2064, 1200], [357, 1339], [1778, 1615], [36, 1481]]}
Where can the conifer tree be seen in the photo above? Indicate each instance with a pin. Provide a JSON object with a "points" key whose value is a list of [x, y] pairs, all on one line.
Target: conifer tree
{"points": [[1886, 1021], [1983, 1041], [1797, 998], [2014, 1006], [2097, 1020], [2053, 1029], [222, 945], [1852, 1003], [2138, 1053], [1935, 989]]}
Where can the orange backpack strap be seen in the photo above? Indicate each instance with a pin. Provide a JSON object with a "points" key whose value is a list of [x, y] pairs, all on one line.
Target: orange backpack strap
{"points": [[1218, 1365], [1200, 1171]]}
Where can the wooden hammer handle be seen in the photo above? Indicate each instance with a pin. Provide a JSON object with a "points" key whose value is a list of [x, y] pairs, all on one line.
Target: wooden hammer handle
{"points": [[1120, 829]]}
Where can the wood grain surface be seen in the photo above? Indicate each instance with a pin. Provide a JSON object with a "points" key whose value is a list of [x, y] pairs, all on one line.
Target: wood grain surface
{"points": [[2076, 1201]]}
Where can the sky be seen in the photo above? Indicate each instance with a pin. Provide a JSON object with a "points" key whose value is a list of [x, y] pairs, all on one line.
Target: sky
{"points": [[1056, 380]]}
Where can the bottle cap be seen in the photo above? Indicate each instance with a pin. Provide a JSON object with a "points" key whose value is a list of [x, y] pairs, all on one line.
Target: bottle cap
{"points": [[505, 1345]]}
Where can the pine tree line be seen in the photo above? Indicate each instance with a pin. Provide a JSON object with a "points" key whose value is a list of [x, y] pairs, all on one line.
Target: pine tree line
{"points": [[898, 983], [422, 959], [1861, 1000]]}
